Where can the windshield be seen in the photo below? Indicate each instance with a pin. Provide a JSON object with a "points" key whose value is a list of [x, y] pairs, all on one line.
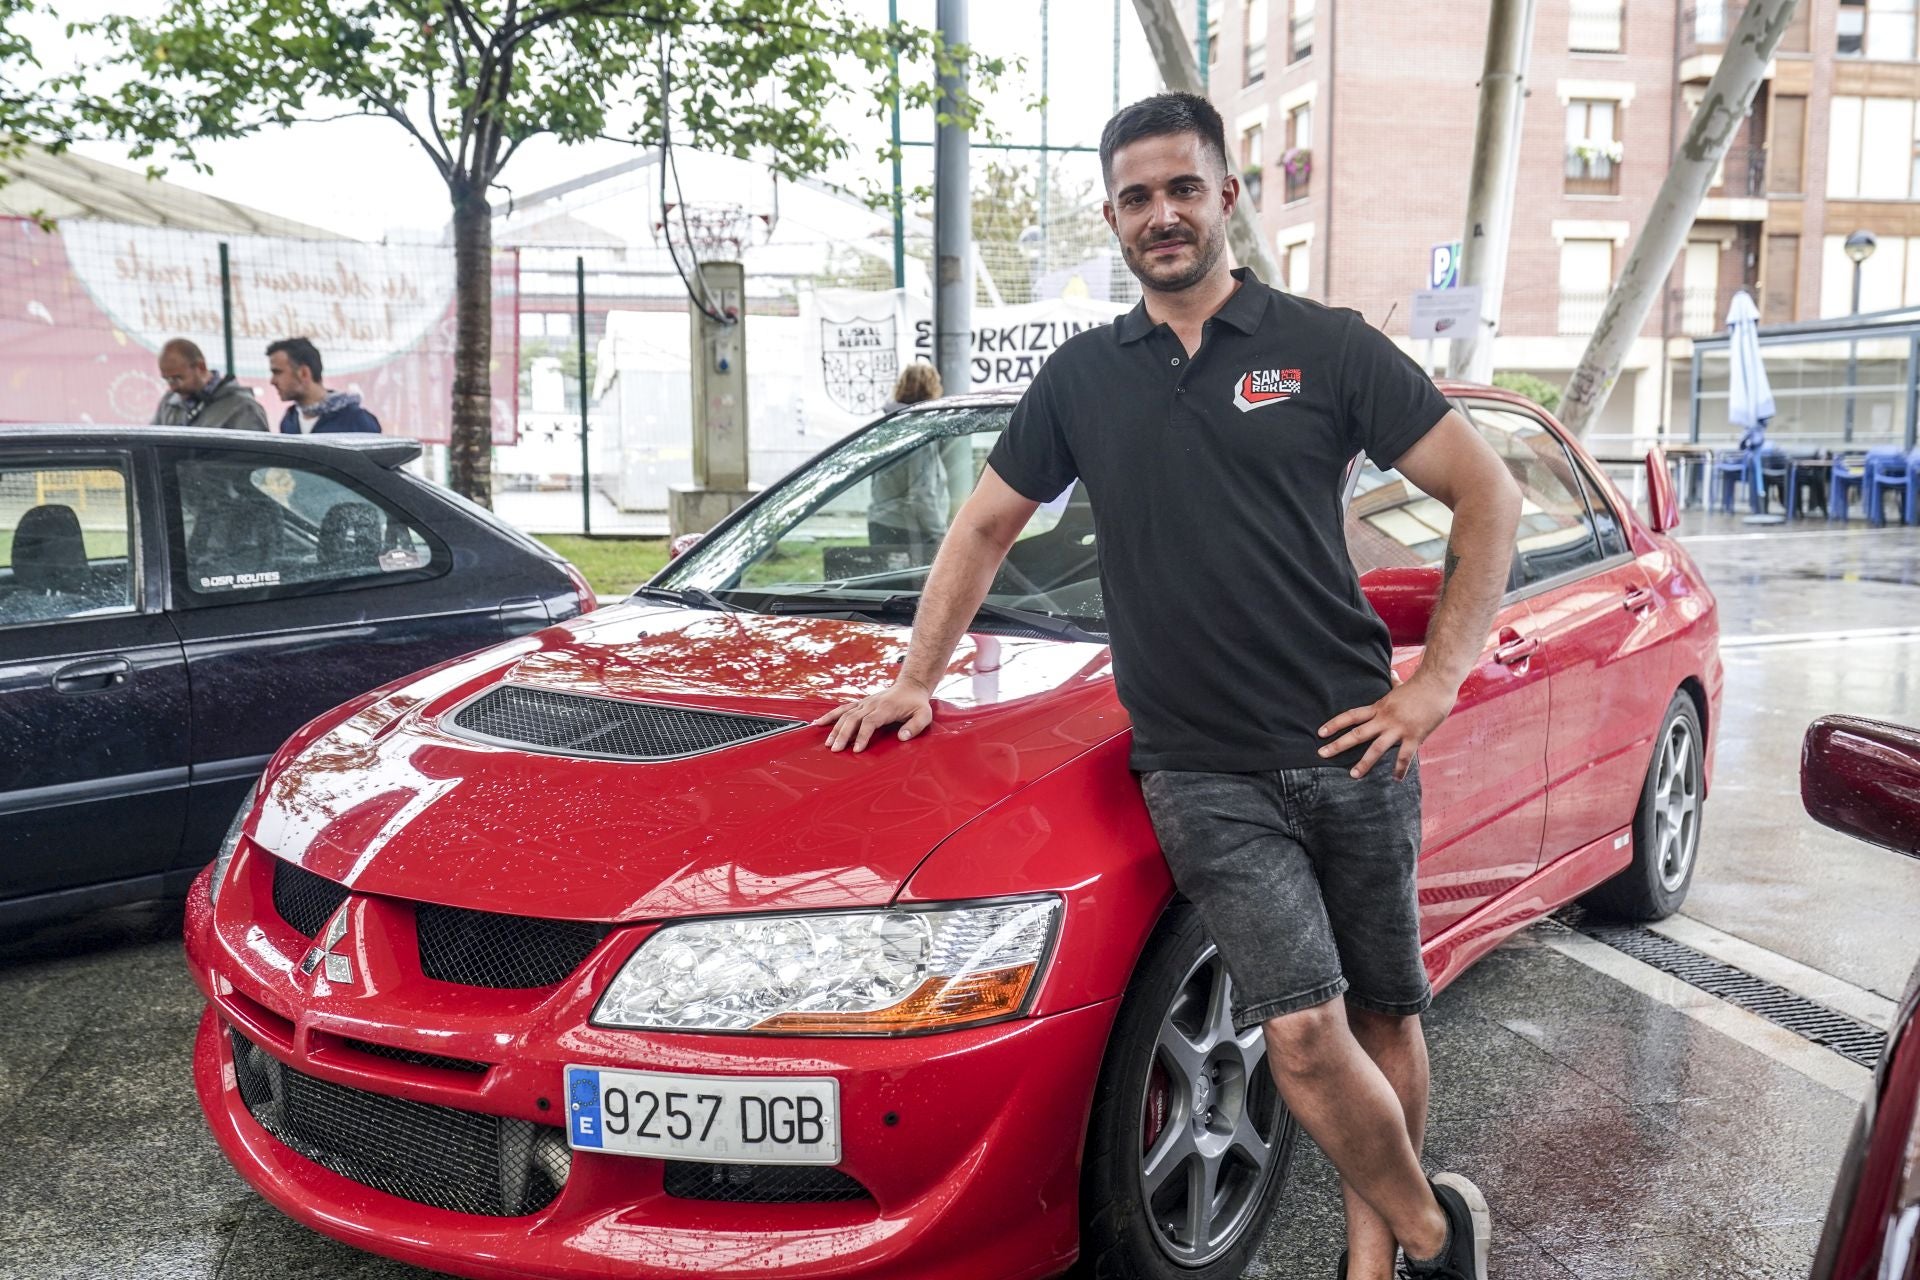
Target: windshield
{"points": [[863, 522]]}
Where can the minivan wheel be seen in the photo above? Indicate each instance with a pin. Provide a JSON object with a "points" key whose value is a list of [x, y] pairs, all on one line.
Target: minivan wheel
{"points": [[1189, 1142], [1666, 826]]}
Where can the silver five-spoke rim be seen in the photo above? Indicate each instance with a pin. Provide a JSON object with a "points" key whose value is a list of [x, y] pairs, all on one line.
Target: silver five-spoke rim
{"points": [[1676, 805], [1212, 1122]]}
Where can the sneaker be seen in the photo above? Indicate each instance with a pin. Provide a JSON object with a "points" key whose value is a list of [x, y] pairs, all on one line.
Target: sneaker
{"points": [[1469, 1229]]}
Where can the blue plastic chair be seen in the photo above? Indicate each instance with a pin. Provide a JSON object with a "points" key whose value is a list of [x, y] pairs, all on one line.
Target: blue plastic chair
{"points": [[1730, 470], [1770, 463], [1887, 471], [1849, 473], [1910, 509]]}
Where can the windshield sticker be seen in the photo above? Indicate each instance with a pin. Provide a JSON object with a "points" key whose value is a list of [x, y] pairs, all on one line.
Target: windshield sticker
{"points": [[400, 559], [240, 581]]}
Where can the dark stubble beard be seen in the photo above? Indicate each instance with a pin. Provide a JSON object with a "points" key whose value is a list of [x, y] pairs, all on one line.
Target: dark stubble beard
{"points": [[1208, 246]]}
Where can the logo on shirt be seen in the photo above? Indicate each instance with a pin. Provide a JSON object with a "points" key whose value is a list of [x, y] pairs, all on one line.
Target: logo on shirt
{"points": [[1265, 386]]}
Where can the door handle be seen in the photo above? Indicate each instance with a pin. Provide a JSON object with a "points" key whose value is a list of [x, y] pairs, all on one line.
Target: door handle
{"points": [[92, 675], [1639, 598], [1515, 652]]}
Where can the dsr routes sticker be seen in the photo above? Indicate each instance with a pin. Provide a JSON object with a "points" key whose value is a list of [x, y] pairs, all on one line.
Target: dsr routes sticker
{"points": [[240, 581]]}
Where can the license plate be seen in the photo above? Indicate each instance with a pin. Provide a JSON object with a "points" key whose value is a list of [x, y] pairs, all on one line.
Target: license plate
{"points": [[732, 1119]]}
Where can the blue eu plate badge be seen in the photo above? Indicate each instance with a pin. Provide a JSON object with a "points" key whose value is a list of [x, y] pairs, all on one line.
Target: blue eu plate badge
{"points": [[583, 1106]]}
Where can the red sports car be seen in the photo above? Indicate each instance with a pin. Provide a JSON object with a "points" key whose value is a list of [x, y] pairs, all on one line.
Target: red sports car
{"points": [[583, 955], [1863, 777]]}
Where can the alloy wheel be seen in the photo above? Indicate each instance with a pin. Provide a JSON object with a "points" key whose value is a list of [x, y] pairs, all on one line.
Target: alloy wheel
{"points": [[1676, 804]]}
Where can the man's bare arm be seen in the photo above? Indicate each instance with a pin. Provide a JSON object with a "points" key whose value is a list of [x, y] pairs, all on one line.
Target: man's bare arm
{"points": [[1454, 465], [970, 554]]}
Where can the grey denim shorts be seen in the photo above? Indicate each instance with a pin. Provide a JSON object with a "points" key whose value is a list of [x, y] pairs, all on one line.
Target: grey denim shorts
{"points": [[1305, 879]]}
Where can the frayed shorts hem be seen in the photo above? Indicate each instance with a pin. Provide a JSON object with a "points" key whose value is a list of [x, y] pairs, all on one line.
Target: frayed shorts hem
{"points": [[1392, 1008], [1254, 1014]]}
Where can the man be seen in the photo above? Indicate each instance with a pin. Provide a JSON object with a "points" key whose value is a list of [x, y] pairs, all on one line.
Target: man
{"points": [[293, 365], [1211, 427], [201, 397]]}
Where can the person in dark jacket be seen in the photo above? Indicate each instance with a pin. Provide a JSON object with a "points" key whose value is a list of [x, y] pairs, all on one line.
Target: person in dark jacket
{"points": [[311, 408], [201, 397]]}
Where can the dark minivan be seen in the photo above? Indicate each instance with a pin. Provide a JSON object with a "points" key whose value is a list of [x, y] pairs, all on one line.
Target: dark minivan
{"points": [[175, 602]]}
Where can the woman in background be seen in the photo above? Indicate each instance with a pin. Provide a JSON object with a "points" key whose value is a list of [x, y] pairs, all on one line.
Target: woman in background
{"points": [[907, 504]]}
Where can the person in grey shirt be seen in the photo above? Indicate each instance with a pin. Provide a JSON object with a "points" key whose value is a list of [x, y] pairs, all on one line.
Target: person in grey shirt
{"points": [[907, 504], [201, 397]]}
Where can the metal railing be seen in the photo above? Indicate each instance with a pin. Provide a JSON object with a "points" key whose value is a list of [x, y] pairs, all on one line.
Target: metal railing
{"points": [[1743, 173], [1299, 37], [1597, 26], [1299, 186], [1698, 309], [1596, 177], [1710, 23], [1580, 311]]}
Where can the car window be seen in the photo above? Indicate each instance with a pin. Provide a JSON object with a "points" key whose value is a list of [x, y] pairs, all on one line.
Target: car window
{"points": [[66, 539], [246, 525], [1613, 539], [1556, 534]]}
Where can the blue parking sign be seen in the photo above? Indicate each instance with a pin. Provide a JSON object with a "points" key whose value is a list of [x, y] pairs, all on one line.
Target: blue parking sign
{"points": [[1443, 266]]}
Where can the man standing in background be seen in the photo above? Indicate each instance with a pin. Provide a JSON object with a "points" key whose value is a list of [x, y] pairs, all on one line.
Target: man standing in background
{"points": [[311, 408], [201, 397]]}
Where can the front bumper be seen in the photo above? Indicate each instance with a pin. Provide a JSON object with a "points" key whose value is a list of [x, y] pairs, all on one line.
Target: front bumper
{"points": [[968, 1143]]}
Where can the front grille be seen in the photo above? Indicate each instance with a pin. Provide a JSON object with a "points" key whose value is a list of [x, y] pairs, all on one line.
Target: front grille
{"points": [[413, 1058], [760, 1183], [457, 1160], [481, 949], [609, 728], [304, 900]]}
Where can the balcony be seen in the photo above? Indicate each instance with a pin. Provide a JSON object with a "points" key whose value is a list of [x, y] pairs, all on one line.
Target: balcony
{"points": [[1297, 166], [1739, 191], [1596, 26], [1698, 311], [1591, 171], [1300, 37], [1580, 311], [1706, 27]]}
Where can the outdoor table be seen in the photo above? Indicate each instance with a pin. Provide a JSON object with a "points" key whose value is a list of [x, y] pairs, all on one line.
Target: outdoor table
{"points": [[1817, 475], [1690, 463]]}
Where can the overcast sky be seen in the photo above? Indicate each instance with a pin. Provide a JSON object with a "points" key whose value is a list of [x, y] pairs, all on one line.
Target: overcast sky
{"points": [[367, 178]]}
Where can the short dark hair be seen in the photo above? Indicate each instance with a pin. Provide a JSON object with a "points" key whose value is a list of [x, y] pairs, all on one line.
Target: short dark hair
{"points": [[1158, 116], [298, 351], [186, 348]]}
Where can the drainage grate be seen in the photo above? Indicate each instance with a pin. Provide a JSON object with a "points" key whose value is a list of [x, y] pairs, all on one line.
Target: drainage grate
{"points": [[1851, 1038], [605, 728]]}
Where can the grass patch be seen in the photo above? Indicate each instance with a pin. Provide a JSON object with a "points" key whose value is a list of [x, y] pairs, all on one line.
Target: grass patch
{"points": [[613, 567]]}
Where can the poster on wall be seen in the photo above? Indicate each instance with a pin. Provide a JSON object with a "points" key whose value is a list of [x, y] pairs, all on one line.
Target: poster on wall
{"points": [[87, 307]]}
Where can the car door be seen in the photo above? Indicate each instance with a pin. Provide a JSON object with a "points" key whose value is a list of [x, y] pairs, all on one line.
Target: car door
{"points": [[296, 584], [93, 688], [1595, 611], [1483, 772]]}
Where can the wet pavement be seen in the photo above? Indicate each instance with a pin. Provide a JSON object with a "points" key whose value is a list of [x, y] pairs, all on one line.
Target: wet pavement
{"points": [[1621, 1125]]}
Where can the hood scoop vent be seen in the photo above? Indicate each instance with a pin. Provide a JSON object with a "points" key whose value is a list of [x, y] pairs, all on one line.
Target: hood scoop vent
{"points": [[571, 724]]}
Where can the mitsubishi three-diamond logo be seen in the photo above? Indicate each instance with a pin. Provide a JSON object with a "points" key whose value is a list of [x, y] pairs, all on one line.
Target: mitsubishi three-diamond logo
{"points": [[339, 966]]}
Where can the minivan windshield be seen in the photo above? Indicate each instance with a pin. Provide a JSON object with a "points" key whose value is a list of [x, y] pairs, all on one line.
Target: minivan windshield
{"points": [[855, 531]]}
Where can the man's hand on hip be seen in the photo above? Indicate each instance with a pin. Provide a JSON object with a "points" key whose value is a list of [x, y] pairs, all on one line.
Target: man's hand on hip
{"points": [[906, 702], [1403, 718]]}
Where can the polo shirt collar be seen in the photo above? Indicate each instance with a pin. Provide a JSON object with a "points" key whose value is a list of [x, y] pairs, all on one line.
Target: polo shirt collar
{"points": [[1243, 310]]}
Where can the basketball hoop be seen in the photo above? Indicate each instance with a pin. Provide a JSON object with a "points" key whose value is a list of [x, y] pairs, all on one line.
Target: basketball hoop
{"points": [[712, 232]]}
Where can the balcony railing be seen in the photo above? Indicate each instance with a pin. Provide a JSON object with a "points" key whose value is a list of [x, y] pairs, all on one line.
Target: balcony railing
{"points": [[1709, 24], [1300, 37], [1580, 311], [1742, 174], [1592, 176], [1299, 186], [1699, 311], [1597, 26]]}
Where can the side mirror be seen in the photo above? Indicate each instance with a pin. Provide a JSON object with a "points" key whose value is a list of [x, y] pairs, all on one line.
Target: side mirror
{"points": [[1663, 503], [683, 544], [1404, 599], [1863, 777]]}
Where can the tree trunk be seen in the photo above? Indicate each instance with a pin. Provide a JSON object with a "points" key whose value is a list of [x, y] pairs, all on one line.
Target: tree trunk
{"points": [[470, 456]]}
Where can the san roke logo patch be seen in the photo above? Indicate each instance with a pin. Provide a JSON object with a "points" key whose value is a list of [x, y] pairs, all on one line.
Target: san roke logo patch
{"points": [[1259, 387]]}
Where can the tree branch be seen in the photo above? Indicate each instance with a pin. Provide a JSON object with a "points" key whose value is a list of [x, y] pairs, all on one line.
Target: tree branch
{"points": [[437, 154]]}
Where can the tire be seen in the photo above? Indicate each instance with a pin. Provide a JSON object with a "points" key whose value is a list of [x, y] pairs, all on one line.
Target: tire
{"points": [[1147, 1115], [1666, 826]]}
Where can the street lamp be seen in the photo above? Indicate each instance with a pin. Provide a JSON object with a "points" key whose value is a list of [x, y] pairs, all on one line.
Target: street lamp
{"points": [[1860, 246]]}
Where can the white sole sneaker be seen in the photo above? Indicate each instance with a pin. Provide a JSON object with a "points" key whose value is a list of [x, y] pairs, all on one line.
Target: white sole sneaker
{"points": [[1478, 1211]]}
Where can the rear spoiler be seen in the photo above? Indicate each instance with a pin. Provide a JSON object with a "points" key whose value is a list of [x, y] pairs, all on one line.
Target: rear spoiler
{"points": [[388, 451]]}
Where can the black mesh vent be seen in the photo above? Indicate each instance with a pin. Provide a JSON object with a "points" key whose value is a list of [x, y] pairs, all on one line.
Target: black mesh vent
{"points": [[481, 949], [304, 900], [573, 724], [412, 1058], [457, 1160], [760, 1183]]}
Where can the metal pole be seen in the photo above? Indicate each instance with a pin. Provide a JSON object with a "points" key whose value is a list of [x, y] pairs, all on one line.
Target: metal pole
{"points": [[1490, 182], [899, 215], [1200, 42], [1116, 57], [952, 218], [227, 309], [1045, 8], [580, 323], [1728, 98], [1853, 360]]}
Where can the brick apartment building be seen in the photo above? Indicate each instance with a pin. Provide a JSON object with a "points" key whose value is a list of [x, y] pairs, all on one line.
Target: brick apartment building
{"points": [[1353, 122]]}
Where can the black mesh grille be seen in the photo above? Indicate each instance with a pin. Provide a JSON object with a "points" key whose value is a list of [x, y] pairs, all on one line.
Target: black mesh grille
{"points": [[760, 1183], [304, 900], [457, 1160], [413, 1058], [481, 949], [577, 725]]}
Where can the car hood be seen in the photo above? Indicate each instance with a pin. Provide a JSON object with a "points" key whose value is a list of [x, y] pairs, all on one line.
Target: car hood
{"points": [[395, 799]]}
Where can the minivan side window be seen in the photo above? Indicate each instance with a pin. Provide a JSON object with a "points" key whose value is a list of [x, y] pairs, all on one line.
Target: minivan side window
{"points": [[247, 526], [66, 541]]}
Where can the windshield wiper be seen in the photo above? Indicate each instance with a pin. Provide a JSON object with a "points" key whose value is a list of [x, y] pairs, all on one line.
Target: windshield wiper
{"points": [[692, 598], [906, 604]]}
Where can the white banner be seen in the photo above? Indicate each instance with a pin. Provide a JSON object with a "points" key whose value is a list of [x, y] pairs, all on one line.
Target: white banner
{"points": [[857, 342]]}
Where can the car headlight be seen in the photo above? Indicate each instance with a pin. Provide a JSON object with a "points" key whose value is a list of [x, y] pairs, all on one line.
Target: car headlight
{"points": [[230, 842], [892, 972]]}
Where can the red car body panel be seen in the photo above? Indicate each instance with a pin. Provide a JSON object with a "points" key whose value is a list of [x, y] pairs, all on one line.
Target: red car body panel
{"points": [[1020, 786]]}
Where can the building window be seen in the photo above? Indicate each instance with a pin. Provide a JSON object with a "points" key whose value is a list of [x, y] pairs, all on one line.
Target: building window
{"points": [[1593, 147], [1786, 156], [1252, 160], [1213, 42], [1597, 26], [1710, 22], [1297, 267], [1255, 14], [1297, 160], [1300, 30], [1890, 30], [1872, 148], [1700, 289], [1852, 27], [1586, 273], [1780, 298]]}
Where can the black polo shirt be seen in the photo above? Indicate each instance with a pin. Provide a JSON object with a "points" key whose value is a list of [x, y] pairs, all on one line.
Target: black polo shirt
{"points": [[1236, 618]]}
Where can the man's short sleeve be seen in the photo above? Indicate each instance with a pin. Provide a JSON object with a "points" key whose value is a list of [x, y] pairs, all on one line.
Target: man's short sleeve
{"points": [[1032, 455], [1390, 400]]}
